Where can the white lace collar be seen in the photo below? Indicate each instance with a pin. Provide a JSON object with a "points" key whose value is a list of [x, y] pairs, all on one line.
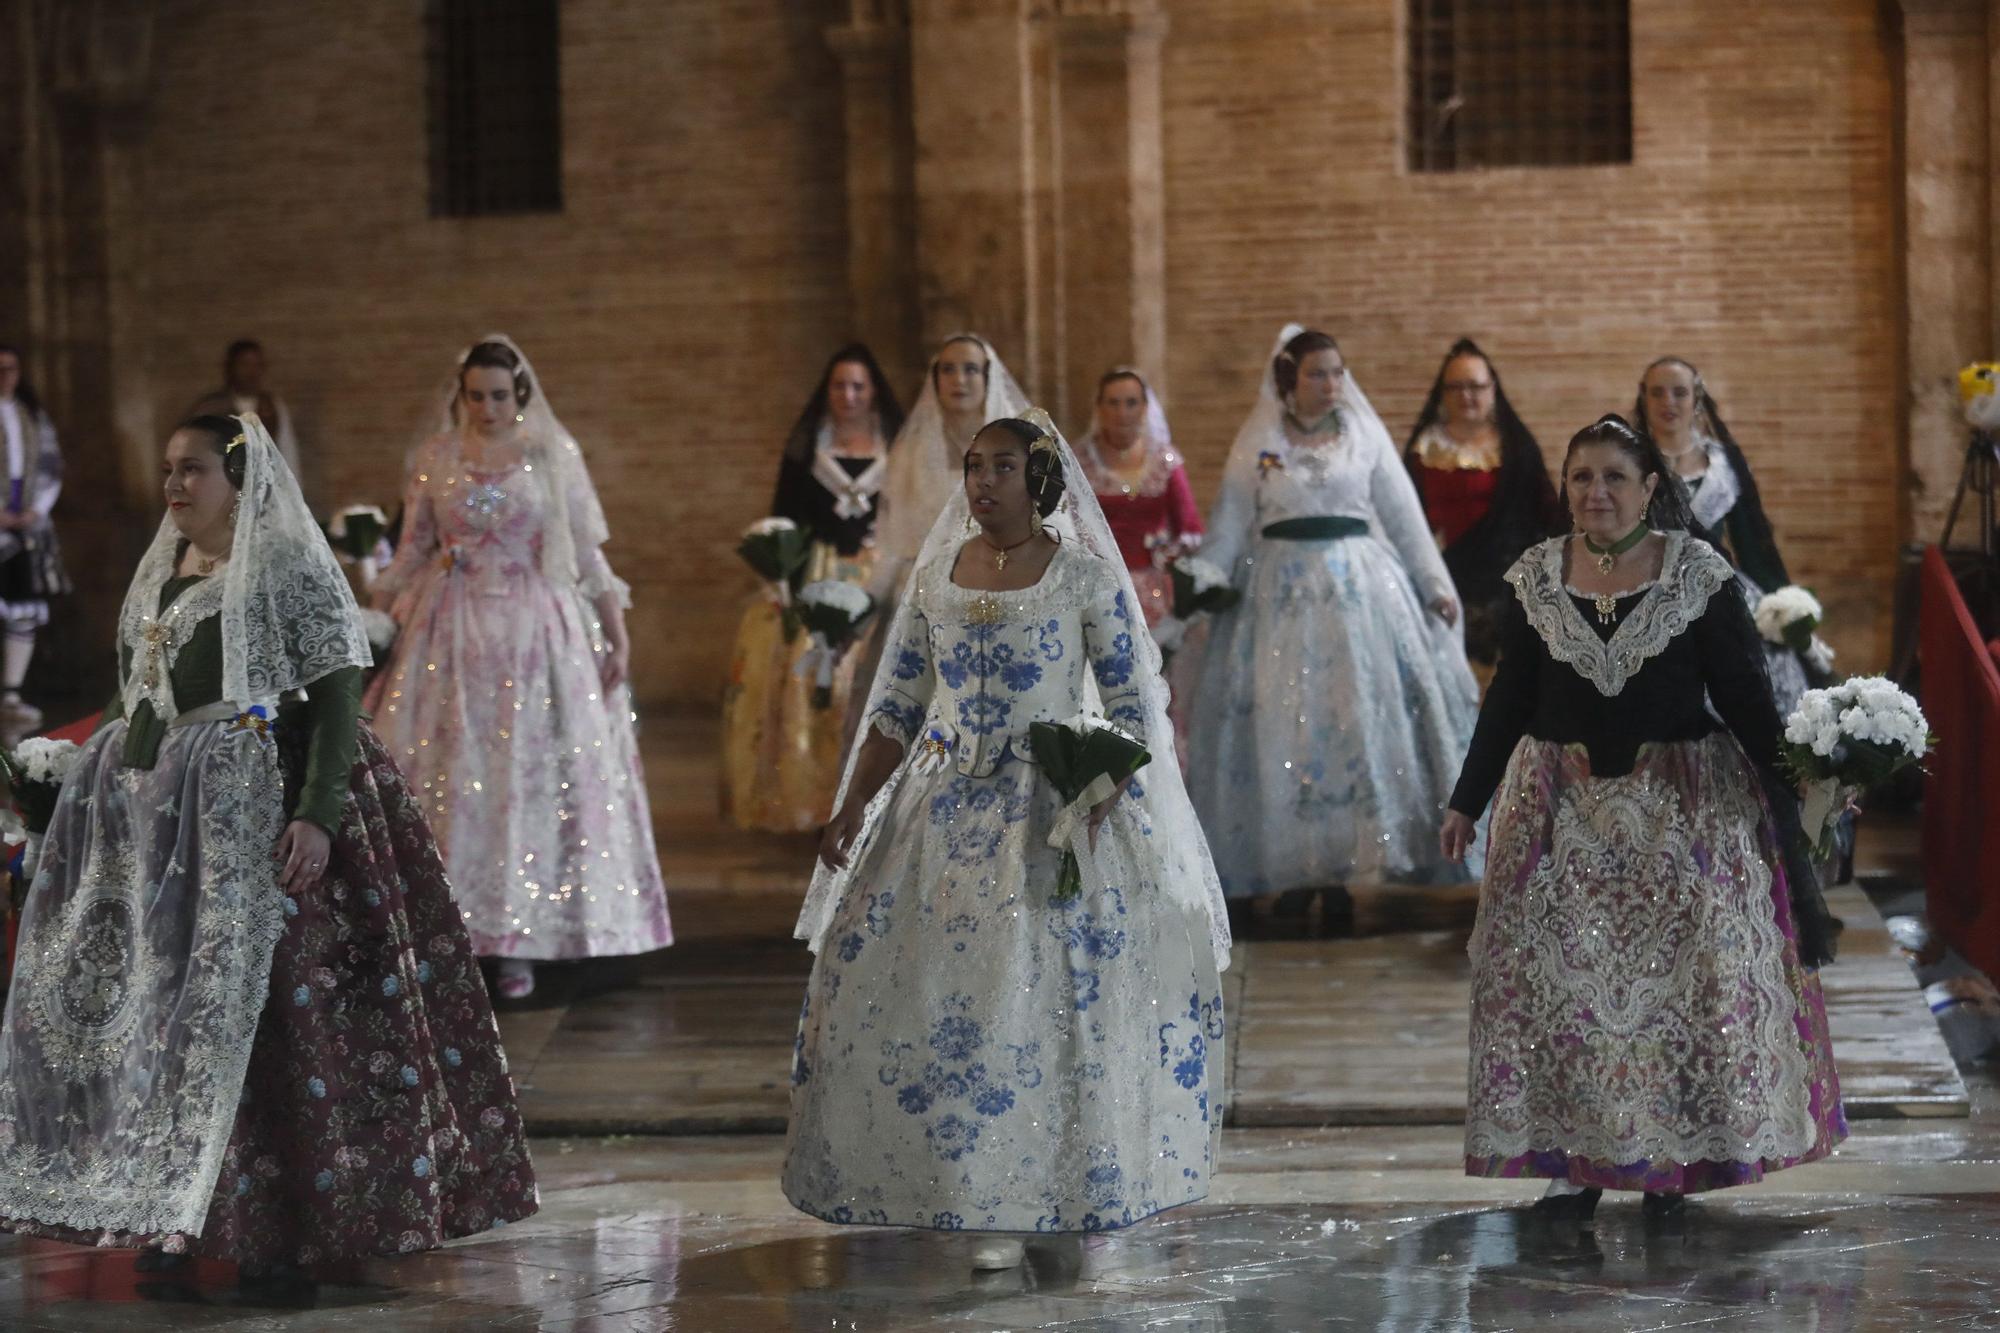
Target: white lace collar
{"points": [[1690, 572], [853, 494], [1720, 487]]}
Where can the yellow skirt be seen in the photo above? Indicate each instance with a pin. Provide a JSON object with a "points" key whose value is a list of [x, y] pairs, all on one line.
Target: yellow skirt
{"points": [[781, 756]]}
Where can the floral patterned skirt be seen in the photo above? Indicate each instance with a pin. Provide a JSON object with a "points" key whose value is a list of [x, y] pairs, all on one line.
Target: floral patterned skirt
{"points": [[972, 1055], [377, 1115], [1640, 1019]]}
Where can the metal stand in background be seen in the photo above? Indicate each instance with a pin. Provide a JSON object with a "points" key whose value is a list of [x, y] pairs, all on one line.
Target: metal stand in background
{"points": [[1978, 571]]}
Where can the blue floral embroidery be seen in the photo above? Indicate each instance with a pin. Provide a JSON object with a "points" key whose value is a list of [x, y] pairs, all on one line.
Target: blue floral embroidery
{"points": [[323, 1181], [952, 1137], [409, 1076], [302, 997], [947, 1221], [850, 947], [391, 986], [1085, 983], [1020, 676], [993, 1099], [316, 1086], [957, 1038], [904, 717], [424, 972], [982, 714], [909, 664], [422, 1167], [452, 1057]]}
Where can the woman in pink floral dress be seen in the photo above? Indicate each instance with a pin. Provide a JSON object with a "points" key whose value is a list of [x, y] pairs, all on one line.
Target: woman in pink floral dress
{"points": [[505, 696]]}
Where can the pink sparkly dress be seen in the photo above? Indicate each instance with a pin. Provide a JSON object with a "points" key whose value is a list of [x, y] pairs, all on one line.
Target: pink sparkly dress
{"points": [[491, 702]]}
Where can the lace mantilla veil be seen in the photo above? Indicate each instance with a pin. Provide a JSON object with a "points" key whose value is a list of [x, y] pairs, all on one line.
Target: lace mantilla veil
{"points": [[288, 614], [1154, 430], [924, 466], [576, 518], [1189, 875]]}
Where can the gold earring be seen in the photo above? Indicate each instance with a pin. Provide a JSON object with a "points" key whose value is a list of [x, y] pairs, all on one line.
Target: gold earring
{"points": [[519, 417]]}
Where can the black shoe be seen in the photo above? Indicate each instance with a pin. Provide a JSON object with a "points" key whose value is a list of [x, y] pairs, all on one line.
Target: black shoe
{"points": [[1664, 1207], [153, 1259], [1336, 912], [1578, 1207]]}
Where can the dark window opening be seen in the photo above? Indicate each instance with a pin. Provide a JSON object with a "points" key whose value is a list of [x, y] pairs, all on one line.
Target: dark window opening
{"points": [[495, 107], [1519, 83]]}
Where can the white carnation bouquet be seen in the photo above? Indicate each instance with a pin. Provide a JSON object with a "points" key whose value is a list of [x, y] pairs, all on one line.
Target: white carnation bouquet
{"points": [[1847, 737], [1200, 588], [35, 773], [833, 613], [1788, 618]]}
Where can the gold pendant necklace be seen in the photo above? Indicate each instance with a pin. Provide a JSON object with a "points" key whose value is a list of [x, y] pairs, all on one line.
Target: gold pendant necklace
{"points": [[1000, 553], [1607, 608]]}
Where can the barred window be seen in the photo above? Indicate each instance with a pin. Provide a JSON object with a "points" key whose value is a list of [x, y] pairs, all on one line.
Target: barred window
{"points": [[495, 107], [1519, 83]]}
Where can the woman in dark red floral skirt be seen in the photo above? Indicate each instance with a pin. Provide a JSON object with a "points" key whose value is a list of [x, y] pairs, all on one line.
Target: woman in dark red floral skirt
{"points": [[280, 1058]]}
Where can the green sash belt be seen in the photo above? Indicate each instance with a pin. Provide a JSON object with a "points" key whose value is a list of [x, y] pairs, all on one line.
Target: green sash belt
{"points": [[1318, 528]]}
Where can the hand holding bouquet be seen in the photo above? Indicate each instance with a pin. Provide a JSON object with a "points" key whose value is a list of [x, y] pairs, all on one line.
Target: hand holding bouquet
{"points": [[1852, 735], [777, 549], [833, 613], [1200, 588], [1087, 758]]}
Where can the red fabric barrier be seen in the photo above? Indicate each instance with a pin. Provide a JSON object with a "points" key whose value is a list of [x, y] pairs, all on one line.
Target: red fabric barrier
{"points": [[1961, 698]]}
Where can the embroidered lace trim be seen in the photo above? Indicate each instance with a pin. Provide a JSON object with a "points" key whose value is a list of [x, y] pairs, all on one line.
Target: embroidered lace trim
{"points": [[1630, 993], [1690, 572]]}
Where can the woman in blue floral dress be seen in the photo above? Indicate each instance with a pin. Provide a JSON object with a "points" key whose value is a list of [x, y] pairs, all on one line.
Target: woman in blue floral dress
{"points": [[975, 1053]]}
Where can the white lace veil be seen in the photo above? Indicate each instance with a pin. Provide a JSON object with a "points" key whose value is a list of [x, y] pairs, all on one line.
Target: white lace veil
{"points": [[1264, 431], [924, 466], [1190, 876], [576, 518], [1155, 427], [288, 614]]}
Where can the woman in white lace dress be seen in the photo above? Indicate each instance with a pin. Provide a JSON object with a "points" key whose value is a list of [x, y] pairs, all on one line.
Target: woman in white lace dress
{"points": [[977, 1052], [1333, 704], [1645, 1013], [505, 697]]}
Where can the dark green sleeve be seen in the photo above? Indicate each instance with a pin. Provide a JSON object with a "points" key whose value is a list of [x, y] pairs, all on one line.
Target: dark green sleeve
{"points": [[333, 711], [1756, 546]]}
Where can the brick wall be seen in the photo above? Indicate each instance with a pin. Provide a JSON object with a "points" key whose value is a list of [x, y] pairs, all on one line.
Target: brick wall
{"points": [[676, 311], [679, 307], [1752, 234]]}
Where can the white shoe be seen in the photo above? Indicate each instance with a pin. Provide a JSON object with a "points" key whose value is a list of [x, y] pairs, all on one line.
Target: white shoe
{"points": [[997, 1255]]}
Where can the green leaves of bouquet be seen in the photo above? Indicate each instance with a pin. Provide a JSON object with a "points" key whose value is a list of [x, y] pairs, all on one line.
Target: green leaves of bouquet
{"points": [[1085, 758]]}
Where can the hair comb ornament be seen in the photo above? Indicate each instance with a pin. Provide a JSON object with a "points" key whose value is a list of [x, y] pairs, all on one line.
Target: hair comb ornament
{"points": [[238, 439], [1039, 419]]}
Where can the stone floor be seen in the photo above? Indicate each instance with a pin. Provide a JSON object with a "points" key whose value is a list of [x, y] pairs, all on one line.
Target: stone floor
{"points": [[1339, 1203]]}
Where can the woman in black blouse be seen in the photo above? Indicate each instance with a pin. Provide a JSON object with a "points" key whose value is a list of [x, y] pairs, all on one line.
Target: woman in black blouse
{"points": [[1645, 1010], [780, 754]]}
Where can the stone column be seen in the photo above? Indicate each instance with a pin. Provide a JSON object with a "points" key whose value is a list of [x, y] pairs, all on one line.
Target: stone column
{"points": [[874, 53], [1111, 227], [975, 124], [1948, 225]]}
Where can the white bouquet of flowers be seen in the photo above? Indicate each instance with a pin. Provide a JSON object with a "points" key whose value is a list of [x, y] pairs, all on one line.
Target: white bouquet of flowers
{"points": [[35, 773], [380, 627], [1849, 736], [1788, 618], [832, 612]]}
